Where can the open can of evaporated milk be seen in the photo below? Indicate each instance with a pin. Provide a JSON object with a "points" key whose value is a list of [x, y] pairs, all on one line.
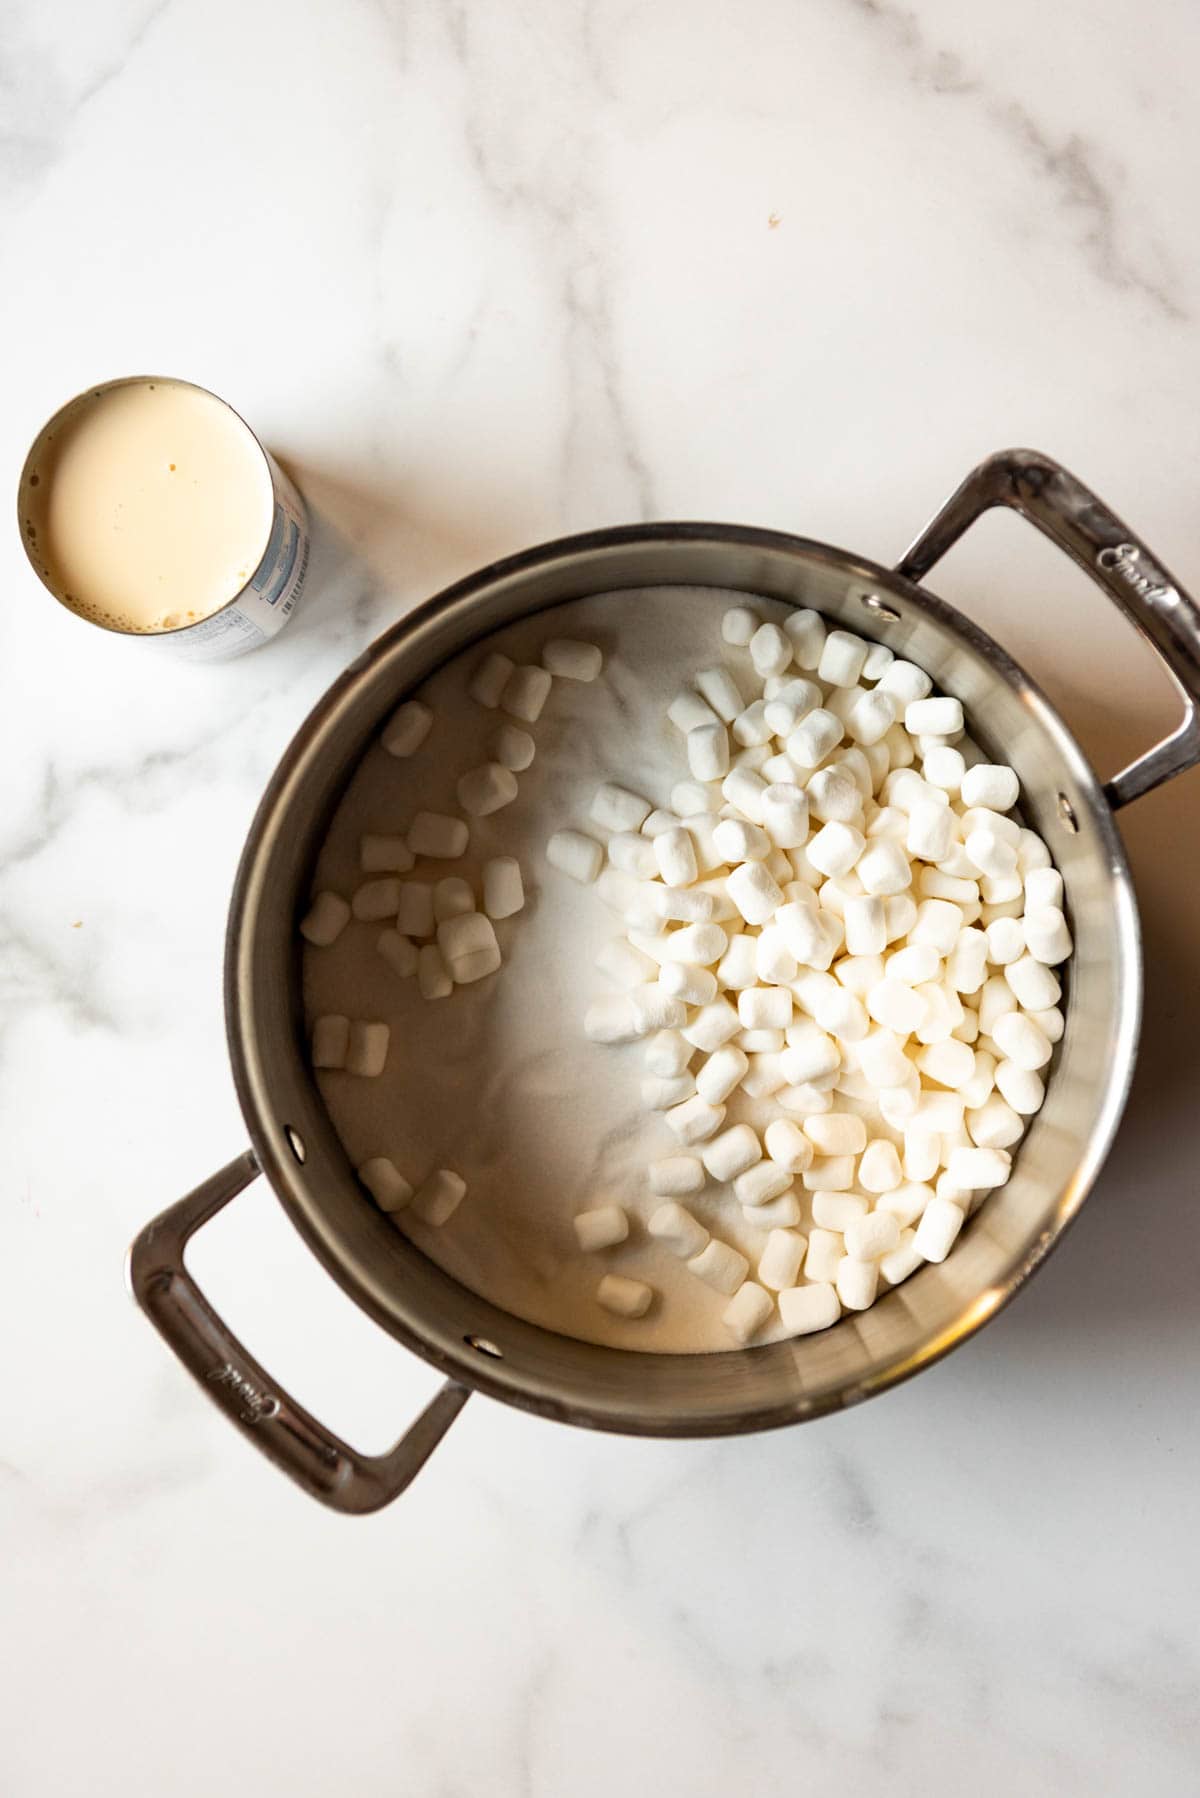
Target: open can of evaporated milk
{"points": [[149, 507]]}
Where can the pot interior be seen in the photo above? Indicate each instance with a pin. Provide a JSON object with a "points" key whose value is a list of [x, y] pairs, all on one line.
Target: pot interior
{"points": [[578, 1382]]}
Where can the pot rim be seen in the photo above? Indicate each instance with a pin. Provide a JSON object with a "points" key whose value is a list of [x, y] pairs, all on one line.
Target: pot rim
{"points": [[494, 1377]]}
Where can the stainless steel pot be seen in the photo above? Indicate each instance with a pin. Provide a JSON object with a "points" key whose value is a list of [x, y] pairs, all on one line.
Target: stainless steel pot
{"points": [[480, 1347]]}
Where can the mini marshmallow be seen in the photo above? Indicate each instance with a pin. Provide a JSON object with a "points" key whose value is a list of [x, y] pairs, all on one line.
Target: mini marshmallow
{"points": [[414, 909], [948, 1063], [438, 836], [325, 920], [438, 1198], [824, 1252], [940, 1224], [905, 682], [658, 822], [694, 1121], [930, 717], [905, 1202], [754, 892], [896, 1006], [484, 790], [866, 929], [944, 767], [688, 712], [701, 944], [990, 853], [624, 1298], [745, 789], [674, 1176], [750, 728], [574, 854], [834, 796], [667, 1054], [770, 650], [719, 1266], [469, 947], [330, 1041], [718, 687], [678, 1230], [694, 986], [805, 1309], [697, 905], [780, 770], [882, 1059], [806, 630], [904, 1259], [747, 1311], [570, 659], [399, 952], [835, 848], [870, 1238], [935, 883], [787, 1145], [1050, 1022], [996, 997], [879, 1167], [938, 924], [922, 1154], [1047, 934], [930, 831], [366, 1053], [676, 857], [739, 625], [996, 1124], [765, 1076], [503, 888], [1043, 889], [992, 785], [718, 1076], [433, 976], [525, 693], [739, 841], [1035, 985], [900, 911], [451, 897], [731, 1153], [760, 1184], [737, 968], [712, 1025], [773, 960], [375, 900], [616, 808], [407, 729], [624, 965], [765, 1008], [1020, 1087], [513, 748], [967, 966], [385, 1183], [659, 1094], [828, 1173], [487, 684], [611, 1020], [842, 659], [837, 1133], [782, 1213], [708, 752], [814, 737], [654, 1009], [781, 1259], [601, 1227], [979, 1169], [980, 817], [1005, 941], [1019, 1040], [384, 855], [784, 816], [871, 717], [884, 868]]}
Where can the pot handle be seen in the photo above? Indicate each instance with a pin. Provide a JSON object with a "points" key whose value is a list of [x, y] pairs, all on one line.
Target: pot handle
{"points": [[1133, 578], [289, 1435]]}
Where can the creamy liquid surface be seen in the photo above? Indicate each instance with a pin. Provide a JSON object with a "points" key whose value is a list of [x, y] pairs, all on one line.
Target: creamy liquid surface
{"points": [[151, 505], [498, 1080]]}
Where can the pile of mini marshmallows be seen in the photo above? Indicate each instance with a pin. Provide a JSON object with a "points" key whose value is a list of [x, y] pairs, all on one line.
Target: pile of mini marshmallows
{"points": [[434, 929], [839, 922]]}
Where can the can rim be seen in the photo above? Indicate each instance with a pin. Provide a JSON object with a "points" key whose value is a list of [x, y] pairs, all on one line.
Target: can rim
{"points": [[93, 391]]}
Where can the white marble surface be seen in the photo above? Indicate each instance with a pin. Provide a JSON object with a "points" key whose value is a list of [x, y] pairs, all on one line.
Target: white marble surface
{"points": [[485, 274]]}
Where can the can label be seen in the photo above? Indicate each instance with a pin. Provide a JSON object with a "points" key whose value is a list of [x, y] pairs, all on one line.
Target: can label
{"points": [[271, 595]]}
